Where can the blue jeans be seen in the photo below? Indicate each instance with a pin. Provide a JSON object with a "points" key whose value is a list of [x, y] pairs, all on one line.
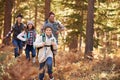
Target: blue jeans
{"points": [[18, 47], [30, 48], [48, 63]]}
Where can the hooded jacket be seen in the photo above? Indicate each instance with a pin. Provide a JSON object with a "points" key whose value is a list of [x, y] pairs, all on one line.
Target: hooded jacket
{"points": [[45, 51]]}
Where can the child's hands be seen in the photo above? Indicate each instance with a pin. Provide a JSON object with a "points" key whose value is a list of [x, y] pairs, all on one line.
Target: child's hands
{"points": [[3, 38], [57, 32], [53, 43], [43, 44], [26, 39]]}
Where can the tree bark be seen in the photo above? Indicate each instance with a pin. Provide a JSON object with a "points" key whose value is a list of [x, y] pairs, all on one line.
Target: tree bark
{"points": [[82, 20], [1, 29], [36, 10], [74, 43], [90, 27], [47, 8], [7, 19]]}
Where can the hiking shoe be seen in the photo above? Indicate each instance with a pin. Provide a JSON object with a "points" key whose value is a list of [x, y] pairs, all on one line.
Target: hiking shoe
{"points": [[52, 78], [33, 60]]}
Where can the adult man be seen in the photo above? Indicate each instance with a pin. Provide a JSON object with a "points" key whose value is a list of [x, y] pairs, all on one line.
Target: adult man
{"points": [[57, 26]]}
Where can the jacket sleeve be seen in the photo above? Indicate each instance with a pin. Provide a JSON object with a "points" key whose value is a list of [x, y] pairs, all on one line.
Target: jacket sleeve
{"points": [[20, 36], [10, 32], [60, 26], [38, 41]]}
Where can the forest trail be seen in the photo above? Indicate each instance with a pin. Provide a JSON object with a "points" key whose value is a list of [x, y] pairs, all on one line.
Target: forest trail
{"points": [[69, 66]]}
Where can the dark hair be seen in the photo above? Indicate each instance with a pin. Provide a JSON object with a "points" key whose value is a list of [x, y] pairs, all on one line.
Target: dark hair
{"points": [[32, 27], [51, 13], [19, 15], [48, 27]]}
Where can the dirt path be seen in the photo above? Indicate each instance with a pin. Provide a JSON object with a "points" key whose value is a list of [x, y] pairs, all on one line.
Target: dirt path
{"points": [[69, 66]]}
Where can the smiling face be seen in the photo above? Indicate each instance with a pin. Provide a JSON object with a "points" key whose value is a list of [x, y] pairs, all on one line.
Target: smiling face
{"points": [[30, 26], [48, 31]]}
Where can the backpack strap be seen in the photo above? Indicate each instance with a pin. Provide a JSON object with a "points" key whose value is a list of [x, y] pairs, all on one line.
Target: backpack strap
{"points": [[27, 35], [43, 37], [46, 21], [34, 35]]}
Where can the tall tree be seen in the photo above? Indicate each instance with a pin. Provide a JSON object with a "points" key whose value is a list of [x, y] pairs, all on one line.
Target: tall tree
{"points": [[1, 16], [36, 14], [37, 4], [1, 27], [90, 27], [7, 18], [76, 19], [74, 43], [47, 8]]}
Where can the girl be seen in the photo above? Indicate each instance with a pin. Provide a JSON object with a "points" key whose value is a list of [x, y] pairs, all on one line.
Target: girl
{"points": [[45, 55], [29, 36]]}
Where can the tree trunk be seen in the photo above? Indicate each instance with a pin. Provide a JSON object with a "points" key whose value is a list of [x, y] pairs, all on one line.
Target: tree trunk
{"points": [[1, 29], [82, 19], [36, 10], [2, 2], [74, 43], [90, 27], [80, 42], [14, 11], [7, 19], [47, 8]]}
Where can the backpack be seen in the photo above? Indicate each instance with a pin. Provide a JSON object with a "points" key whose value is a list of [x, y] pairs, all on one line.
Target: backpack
{"points": [[43, 39]]}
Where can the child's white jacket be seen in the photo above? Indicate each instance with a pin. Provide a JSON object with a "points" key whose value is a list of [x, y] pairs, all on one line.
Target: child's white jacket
{"points": [[44, 52]]}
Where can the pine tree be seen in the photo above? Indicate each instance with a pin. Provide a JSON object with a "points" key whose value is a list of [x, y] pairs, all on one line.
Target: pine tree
{"points": [[7, 19], [47, 8], [90, 27], [75, 22]]}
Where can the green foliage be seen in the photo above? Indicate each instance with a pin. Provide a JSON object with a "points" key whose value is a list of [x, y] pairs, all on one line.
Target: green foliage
{"points": [[106, 19], [74, 18], [73, 14]]}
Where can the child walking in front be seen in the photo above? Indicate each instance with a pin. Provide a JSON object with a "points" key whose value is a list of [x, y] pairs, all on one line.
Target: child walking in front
{"points": [[29, 36], [45, 56]]}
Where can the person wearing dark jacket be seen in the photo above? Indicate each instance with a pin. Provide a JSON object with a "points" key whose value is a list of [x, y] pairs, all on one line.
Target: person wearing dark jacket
{"points": [[17, 28]]}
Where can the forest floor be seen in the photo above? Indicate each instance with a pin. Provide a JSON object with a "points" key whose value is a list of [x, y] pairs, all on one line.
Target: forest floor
{"points": [[69, 66]]}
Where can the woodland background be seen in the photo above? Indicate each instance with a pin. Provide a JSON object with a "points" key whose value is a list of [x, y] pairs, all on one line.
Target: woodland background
{"points": [[90, 26]]}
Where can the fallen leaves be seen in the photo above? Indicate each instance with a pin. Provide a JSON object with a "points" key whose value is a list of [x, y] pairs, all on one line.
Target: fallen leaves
{"points": [[69, 66]]}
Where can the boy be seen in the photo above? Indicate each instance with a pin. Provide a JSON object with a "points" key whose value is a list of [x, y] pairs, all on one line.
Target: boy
{"points": [[46, 42]]}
